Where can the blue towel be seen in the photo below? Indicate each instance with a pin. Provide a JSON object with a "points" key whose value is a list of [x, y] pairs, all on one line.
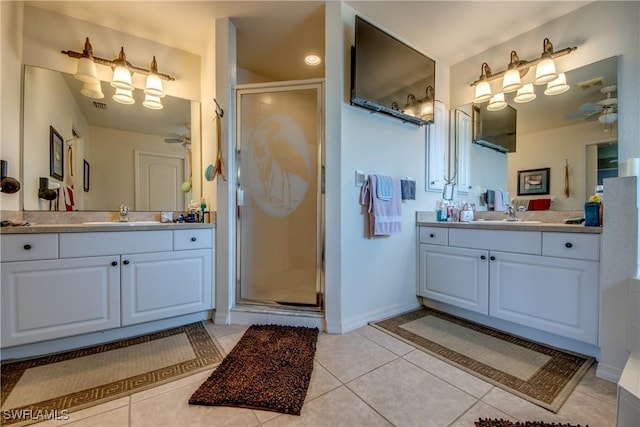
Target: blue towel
{"points": [[408, 189], [384, 187]]}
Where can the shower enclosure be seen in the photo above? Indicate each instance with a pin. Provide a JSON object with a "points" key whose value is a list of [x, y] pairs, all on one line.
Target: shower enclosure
{"points": [[280, 202]]}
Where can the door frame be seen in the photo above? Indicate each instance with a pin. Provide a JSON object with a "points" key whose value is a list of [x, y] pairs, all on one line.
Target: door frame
{"points": [[317, 84]]}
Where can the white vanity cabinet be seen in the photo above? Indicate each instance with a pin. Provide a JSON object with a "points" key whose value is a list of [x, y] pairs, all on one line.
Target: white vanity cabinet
{"points": [[93, 281], [539, 279], [456, 276]]}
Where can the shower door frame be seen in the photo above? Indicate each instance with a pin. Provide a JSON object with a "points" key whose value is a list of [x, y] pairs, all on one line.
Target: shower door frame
{"points": [[254, 88]]}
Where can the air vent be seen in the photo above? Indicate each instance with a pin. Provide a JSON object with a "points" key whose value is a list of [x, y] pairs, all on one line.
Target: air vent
{"points": [[597, 81], [99, 105]]}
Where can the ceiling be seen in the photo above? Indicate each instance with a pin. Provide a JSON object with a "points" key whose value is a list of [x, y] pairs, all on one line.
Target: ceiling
{"points": [[274, 36]]}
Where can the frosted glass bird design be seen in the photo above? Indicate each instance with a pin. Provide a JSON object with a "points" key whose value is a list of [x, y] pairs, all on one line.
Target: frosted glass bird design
{"points": [[279, 164]]}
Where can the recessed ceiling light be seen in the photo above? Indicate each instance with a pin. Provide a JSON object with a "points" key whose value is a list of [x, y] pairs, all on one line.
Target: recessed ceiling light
{"points": [[312, 60]]}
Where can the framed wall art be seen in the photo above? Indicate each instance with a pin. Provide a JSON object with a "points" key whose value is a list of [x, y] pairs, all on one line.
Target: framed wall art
{"points": [[86, 175], [533, 181], [56, 154]]}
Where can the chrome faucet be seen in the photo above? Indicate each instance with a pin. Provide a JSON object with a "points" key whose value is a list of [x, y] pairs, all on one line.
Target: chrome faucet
{"points": [[511, 212], [124, 213]]}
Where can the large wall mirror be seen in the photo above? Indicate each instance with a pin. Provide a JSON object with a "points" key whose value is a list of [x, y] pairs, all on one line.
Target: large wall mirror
{"points": [[573, 133], [107, 153]]}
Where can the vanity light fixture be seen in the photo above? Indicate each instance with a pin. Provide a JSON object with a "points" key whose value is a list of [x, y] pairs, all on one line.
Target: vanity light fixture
{"points": [[497, 102], [557, 86], [483, 87], [410, 107], [525, 94], [122, 77], [426, 107], [545, 70], [511, 80]]}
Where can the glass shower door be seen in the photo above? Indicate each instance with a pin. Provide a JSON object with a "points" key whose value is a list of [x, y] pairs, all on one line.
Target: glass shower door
{"points": [[279, 199]]}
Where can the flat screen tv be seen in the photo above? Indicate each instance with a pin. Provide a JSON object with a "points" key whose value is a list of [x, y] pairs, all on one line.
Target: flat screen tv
{"points": [[495, 129], [385, 72]]}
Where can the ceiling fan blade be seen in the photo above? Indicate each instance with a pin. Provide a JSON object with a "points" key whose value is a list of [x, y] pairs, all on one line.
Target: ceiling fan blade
{"points": [[173, 140], [588, 107], [574, 116]]}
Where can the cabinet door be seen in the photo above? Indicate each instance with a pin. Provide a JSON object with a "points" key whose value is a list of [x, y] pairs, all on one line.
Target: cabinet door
{"points": [[160, 285], [437, 145], [456, 276], [556, 295], [43, 300], [464, 135]]}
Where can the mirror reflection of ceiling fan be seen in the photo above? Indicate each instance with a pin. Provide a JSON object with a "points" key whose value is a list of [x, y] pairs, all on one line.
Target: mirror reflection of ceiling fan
{"points": [[184, 139], [605, 110]]}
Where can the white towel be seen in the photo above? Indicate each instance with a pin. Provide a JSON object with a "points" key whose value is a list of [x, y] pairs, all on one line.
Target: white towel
{"points": [[385, 217]]}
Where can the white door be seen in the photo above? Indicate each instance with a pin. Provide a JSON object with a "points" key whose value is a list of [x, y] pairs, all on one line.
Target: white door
{"points": [[158, 178]]}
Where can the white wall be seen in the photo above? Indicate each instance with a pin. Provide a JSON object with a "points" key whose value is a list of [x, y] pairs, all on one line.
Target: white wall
{"points": [[11, 14], [377, 276]]}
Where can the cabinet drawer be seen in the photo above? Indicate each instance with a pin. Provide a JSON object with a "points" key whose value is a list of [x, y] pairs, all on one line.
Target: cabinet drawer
{"points": [[433, 235], [192, 239], [571, 245], [112, 243], [524, 242], [29, 247]]}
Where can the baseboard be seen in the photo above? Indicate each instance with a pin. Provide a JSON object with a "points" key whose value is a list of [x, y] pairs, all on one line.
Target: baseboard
{"points": [[608, 372], [362, 319]]}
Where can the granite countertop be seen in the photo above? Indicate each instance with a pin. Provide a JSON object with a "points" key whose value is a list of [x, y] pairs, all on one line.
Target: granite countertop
{"points": [[83, 228], [428, 219]]}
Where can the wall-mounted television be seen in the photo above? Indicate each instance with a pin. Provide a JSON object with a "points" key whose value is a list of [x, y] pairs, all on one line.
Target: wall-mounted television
{"points": [[495, 129], [385, 72]]}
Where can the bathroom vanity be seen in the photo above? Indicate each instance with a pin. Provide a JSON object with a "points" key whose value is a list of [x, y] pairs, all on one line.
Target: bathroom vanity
{"points": [[65, 280], [539, 281]]}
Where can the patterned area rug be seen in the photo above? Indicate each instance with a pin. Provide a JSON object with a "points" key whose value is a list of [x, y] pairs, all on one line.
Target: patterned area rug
{"points": [[487, 422], [540, 374], [51, 387], [269, 369]]}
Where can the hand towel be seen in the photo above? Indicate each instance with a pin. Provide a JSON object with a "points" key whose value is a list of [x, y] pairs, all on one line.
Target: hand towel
{"points": [[385, 216], [539, 204], [408, 189], [384, 187], [68, 198]]}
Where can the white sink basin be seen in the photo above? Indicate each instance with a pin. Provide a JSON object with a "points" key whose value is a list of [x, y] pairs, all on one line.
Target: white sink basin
{"points": [[503, 221], [130, 223]]}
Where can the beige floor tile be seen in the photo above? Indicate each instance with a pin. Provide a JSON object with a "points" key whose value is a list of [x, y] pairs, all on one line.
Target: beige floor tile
{"points": [[172, 409], [227, 342], [479, 410], [114, 418], [601, 389], [581, 408], [337, 408], [222, 330], [393, 344], [77, 416], [518, 408], [454, 376], [408, 396], [350, 355]]}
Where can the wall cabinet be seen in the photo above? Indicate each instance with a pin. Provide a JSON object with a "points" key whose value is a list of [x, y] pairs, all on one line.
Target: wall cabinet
{"points": [[78, 283], [437, 148], [543, 280]]}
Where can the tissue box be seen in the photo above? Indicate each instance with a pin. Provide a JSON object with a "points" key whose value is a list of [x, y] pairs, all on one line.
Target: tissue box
{"points": [[592, 214]]}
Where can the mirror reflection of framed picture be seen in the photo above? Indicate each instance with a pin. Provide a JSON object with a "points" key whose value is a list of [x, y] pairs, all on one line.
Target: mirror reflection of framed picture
{"points": [[56, 154], [533, 181], [86, 176]]}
